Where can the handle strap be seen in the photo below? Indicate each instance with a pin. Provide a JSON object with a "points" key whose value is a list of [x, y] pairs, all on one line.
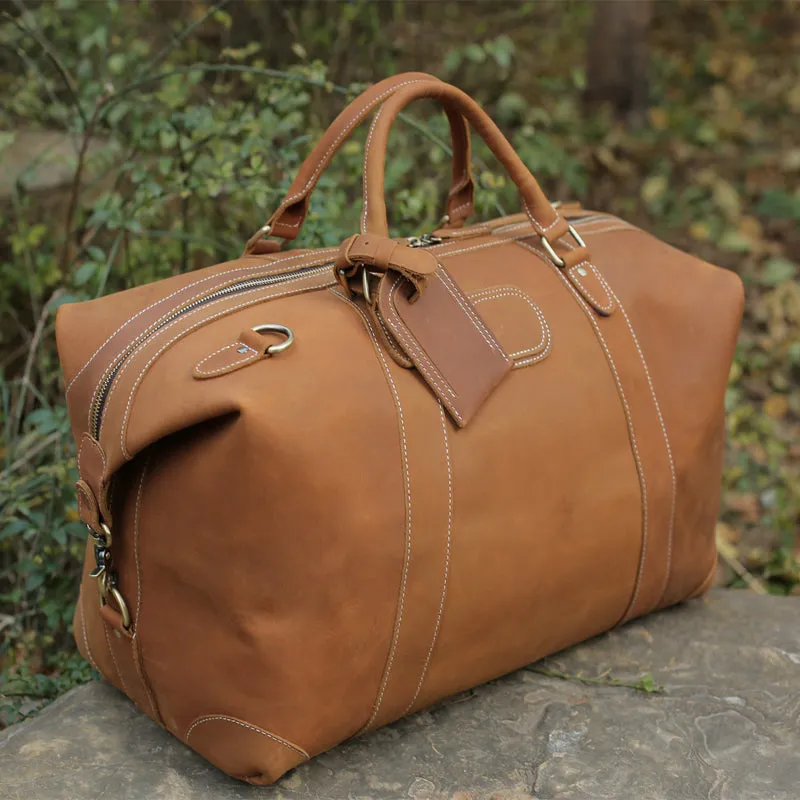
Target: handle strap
{"points": [[545, 219], [288, 218]]}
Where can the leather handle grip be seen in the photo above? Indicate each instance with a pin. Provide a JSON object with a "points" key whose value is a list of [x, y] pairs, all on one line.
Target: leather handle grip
{"points": [[545, 219], [288, 218]]}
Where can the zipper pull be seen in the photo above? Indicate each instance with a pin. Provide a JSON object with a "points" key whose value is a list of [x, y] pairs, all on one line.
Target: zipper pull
{"points": [[426, 240]]}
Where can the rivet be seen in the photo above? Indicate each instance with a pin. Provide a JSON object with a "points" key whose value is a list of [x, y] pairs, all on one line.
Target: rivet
{"points": [[243, 349], [582, 272]]}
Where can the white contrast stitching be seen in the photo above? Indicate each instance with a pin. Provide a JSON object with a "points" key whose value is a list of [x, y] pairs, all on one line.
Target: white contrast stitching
{"points": [[536, 222], [466, 204], [252, 355], [144, 337], [614, 298], [539, 350], [364, 190], [631, 430], [249, 302], [409, 342], [138, 615], [114, 659], [408, 530], [446, 575], [668, 448], [390, 340], [149, 340], [607, 307], [476, 321], [96, 446], [89, 655], [199, 323], [345, 132], [270, 262], [482, 297], [136, 515], [224, 718]]}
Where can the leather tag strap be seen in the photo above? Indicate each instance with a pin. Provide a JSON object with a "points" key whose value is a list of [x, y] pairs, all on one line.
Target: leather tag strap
{"points": [[446, 339], [380, 254]]}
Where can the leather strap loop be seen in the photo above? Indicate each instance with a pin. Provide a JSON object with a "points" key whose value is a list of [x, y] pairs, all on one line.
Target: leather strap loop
{"points": [[288, 218], [545, 219]]}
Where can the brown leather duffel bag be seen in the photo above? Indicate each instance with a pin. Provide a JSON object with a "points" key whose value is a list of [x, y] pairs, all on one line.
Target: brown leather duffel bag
{"points": [[345, 483]]}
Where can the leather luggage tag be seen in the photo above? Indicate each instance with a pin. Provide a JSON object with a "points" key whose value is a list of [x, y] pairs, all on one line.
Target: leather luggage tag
{"points": [[446, 339]]}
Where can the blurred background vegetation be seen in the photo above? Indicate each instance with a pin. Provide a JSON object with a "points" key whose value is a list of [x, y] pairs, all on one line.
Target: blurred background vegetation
{"points": [[138, 139]]}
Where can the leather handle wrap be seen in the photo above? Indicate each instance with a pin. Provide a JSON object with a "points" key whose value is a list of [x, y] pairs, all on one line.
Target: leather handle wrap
{"points": [[545, 219], [288, 218]]}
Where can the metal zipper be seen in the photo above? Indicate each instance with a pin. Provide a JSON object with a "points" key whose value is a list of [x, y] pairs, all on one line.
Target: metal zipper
{"points": [[101, 392], [426, 240]]}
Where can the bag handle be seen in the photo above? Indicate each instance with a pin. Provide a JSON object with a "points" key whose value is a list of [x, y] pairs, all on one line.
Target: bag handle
{"points": [[545, 219], [286, 221]]}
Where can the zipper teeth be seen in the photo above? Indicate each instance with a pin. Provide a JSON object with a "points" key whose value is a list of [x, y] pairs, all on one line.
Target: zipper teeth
{"points": [[98, 400], [578, 222], [426, 240]]}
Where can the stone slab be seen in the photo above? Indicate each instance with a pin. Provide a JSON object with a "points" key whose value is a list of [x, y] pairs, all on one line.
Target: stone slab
{"points": [[726, 728]]}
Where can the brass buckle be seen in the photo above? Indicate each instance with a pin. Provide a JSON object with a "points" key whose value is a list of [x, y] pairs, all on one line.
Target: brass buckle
{"points": [[555, 257]]}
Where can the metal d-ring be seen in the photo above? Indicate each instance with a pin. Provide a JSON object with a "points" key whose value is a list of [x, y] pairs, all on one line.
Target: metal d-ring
{"points": [[365, 273], [274, 349]]}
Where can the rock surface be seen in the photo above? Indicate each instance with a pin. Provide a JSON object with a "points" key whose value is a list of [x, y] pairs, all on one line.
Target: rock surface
{"points": [[727, 728]]}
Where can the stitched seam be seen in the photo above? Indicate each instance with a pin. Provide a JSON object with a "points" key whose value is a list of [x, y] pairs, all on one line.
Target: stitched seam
{"points": [[345, 132], [478, 230], [536, 222], [631, 430], [619, 226], [83, 495], [467, 204], [446, 575], [199, 323], [216, 353], [183, 289], [667, 445], [84, 439], [89, 655], [251, 356], [390, 340], [448, 253], [495, 294], [476, 321], [427, 367], [114, 659], [145, 339], [364, 191], [607, 307], [223, 718], [138, 617], [229, 367], [408, 527], [143, 344]]}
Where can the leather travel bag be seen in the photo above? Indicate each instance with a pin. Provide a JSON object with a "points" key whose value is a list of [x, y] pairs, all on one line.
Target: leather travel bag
{"points": [[326, 488]]}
